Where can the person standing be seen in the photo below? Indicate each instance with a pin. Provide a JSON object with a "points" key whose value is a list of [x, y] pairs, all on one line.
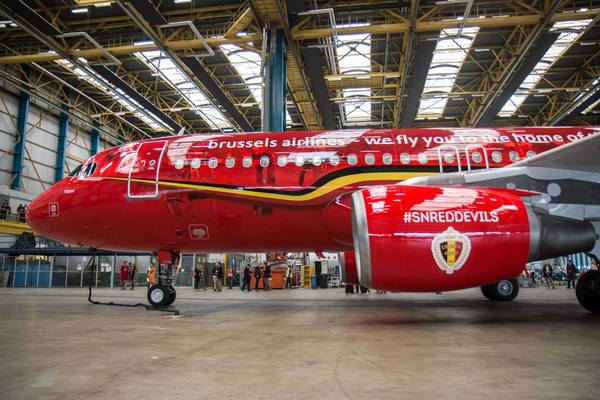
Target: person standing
{"points": [[20, 211], [571, 274], [229, 277], [132, 272], [124, 275], [246, 279], [202, 284], [256, 276], [214, 277], [532, 275], [288, 277], [548, 272], [151, 278], [219, 276], [5, 210], [196, 275], [267, 275]]}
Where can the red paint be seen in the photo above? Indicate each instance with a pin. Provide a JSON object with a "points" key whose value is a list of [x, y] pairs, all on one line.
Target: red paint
{"points": [[146, 196], [489, 228]]}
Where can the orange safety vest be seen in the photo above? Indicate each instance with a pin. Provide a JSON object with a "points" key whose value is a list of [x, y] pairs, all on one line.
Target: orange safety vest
{"points": [[151, 275]]}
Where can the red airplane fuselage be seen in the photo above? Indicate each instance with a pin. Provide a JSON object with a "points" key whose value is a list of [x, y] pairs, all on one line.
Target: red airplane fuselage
{"points": [[261, 191]]}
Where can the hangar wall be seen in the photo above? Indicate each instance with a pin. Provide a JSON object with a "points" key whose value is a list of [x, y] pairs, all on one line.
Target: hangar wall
{"points": [[39, 163]]}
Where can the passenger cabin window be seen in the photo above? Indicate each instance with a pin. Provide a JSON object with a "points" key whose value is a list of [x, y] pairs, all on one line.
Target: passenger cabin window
{"points": [[281, 161], [316, 160], [370, 159], [213, 162], [514, 156], [334, 160], [404, 158], [196, 162], [422, 157], [230, 162], [387, 159], [352, 159], [247, 162], [264, 161], [497, 156]]}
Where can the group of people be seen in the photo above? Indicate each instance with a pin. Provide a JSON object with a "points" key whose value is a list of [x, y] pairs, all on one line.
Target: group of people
{"points": [[6, 210], [548, 274], [260, 273], [127, 273], [217, 277]]}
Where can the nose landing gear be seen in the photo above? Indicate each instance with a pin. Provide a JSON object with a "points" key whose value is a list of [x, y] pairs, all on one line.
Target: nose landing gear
{"points": [[163, 294]]}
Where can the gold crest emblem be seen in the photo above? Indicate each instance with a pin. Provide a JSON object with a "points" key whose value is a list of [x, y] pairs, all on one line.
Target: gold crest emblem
{"points": [[450, 250]]}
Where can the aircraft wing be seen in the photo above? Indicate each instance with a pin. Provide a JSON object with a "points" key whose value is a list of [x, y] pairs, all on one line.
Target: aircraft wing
{"points": [[582, 155]]}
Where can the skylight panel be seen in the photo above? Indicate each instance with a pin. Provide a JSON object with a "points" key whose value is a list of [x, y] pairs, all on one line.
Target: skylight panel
{"points": [[561, 45], [161, 64], [247, 64], [122, 98], [448, 57], [354, 56]]}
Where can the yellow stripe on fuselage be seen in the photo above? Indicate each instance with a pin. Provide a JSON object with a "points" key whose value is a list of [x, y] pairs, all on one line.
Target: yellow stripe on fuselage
{"points": [[329, 187]]}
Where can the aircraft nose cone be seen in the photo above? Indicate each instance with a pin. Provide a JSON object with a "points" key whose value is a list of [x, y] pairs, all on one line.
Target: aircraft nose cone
{"points": [[41, 213]]}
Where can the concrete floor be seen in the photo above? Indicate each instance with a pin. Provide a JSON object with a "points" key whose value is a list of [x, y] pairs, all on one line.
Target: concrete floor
{"points": [[304, 344]]}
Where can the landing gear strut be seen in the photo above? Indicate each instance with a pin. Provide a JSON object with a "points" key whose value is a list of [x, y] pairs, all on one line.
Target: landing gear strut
{"points": [[588, 291], [163, 293], [504, 290]]}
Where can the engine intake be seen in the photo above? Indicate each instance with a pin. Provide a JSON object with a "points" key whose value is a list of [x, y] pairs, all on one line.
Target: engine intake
{"points": [[424, 238]]}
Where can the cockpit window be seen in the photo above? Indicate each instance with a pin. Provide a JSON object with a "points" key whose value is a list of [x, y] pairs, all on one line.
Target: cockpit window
{"points": [[88, 170], [76, 170]]}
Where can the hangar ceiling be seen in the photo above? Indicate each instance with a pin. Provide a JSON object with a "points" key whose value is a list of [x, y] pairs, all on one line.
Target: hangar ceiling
{"points": [[146, 68]]}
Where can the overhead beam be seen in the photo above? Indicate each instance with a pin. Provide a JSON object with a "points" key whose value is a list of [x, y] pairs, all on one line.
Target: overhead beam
{"points": [[240, 23], [217, 92], [115, 80], [423, 57], [531, 59], [188, 44], [576, 109], [275, 83], [425, 26], [315, 74]]}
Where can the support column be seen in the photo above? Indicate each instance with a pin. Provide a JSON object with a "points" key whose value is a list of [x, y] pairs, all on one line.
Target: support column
{"points": [[95, 143], [274, 108], [63, 129], [19, 155]]}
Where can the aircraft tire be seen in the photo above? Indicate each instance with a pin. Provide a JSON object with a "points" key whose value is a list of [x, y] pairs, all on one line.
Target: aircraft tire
{"points": [[588, 291], [172, 295], [158, 295], [503, 290]]}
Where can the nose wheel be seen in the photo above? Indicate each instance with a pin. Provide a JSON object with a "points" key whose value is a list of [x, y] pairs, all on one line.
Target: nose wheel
{"points": [[588, 291], [161, 295]]}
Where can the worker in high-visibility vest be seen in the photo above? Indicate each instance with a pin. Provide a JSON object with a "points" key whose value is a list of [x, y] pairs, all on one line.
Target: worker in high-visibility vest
{"points": [[151, 278]]}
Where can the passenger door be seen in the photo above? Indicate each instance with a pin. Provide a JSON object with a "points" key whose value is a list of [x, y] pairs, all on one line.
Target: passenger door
{"points": [[143, 177]]}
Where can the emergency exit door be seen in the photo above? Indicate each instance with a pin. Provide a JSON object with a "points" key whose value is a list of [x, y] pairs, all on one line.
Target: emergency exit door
{"points": [[144, 171]]}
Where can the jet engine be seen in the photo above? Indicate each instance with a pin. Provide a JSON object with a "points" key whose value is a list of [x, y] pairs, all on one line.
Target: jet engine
{"points": [[426, 238]]}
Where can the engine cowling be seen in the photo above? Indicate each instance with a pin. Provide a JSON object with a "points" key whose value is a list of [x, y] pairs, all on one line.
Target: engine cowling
{"points": [[348, 268], [423, 238]]}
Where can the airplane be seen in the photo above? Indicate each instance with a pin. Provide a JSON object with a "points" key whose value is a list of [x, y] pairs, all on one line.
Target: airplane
{"points": [[420, 210]]}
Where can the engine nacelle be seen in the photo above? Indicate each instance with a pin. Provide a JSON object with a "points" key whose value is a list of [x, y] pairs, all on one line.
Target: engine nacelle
{"points": [[425, 238], [348, 268]]}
